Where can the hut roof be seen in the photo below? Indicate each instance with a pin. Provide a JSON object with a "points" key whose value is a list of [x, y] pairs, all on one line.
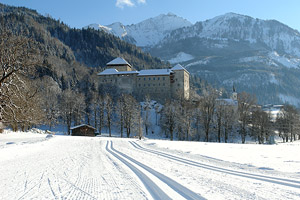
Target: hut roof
{"points": [[81, 125]]}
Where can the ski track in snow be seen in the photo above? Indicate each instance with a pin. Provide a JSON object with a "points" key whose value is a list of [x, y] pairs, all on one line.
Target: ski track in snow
{"points": [[79, 170], [183, 191], [111, 168], [280, 181], [154, 190]]}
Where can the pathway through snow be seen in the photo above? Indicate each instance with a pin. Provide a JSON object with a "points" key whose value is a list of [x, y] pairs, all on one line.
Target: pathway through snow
{"points": [[65, 167]]}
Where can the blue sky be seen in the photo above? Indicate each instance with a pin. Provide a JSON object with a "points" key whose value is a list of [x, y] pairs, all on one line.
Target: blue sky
{"points": [[79, 13]]}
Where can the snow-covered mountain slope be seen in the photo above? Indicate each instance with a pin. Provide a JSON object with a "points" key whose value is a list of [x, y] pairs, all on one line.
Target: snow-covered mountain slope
{"points": [[241, 50], [241, 28], [148, 32]]}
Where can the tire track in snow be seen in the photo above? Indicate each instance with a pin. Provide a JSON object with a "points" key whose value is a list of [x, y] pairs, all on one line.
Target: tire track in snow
{"points": [[275, 180], [153, 189], [180, 189]]}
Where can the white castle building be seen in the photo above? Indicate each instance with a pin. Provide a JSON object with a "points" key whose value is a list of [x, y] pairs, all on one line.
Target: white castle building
{"points": [[160, 84]]}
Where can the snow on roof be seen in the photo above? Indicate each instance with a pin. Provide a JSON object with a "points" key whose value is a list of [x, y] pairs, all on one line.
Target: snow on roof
{"points": [[128, 72], [118, 61], [178, 67], [153, 72], [108, 72], [74, 127], [116, 72]]}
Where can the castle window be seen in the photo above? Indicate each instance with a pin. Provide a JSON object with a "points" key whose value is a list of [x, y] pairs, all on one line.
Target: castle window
{"points": [[139, 85], [144, 79], [158, 78], [163, 78], [149, 85], [153, 84], [178, 84], [144, 85], [154, 78], [149, 79], [139, 79]]}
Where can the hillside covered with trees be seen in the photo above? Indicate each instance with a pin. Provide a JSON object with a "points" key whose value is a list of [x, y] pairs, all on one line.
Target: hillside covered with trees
{"points": [[61, 59]]}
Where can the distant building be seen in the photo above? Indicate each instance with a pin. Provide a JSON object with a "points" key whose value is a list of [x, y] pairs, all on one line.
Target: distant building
{"points": [[83, 130], [273, 111], [159, 84]]}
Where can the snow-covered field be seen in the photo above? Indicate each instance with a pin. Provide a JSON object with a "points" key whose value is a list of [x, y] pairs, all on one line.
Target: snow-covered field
{"points": [[36, 166]]}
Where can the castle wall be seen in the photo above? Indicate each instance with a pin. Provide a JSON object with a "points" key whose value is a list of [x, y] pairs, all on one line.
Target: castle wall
{"points": [[180, 86], [120, 68], [159, 84], [154, 86]]}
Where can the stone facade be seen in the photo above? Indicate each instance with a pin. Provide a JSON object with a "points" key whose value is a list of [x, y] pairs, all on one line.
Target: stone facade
{"points": [[159, 84]]}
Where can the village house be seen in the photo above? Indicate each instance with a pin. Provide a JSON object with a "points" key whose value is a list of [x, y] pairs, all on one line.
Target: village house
{"points": [[159, 84]]}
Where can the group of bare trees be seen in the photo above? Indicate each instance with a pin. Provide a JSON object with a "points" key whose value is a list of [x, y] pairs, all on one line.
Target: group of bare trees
{"points": [[105, 112], [209, 118], [19, 98], [288, 124]]}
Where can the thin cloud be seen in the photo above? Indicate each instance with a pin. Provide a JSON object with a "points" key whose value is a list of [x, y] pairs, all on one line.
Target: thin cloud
{"points": [[129, 3], [122, 3], [141, 1]]}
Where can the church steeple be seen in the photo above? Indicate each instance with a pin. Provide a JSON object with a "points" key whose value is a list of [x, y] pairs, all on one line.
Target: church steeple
{"points": [[234, 94]]}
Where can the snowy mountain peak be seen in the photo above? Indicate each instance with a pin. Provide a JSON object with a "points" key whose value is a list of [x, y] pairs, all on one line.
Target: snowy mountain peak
{"points": [[148, 32]]}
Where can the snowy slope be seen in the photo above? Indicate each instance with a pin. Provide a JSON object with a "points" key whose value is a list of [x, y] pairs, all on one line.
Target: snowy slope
{"points": [[148, 32], [239, 28], [66, 167]]}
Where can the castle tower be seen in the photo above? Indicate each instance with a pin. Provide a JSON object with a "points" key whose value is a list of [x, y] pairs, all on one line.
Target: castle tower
{"points": [[119, 64], [180, 82]]}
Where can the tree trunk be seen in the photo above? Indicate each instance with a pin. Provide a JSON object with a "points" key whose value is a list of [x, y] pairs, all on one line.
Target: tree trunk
{"points": [[206, 134], [226, 135], [95, 119], [109, 130], [128, 132], [219, 133], [121, 128], [171, 134]]}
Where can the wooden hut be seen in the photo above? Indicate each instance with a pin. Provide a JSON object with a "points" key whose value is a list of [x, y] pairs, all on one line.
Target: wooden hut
{"points": [[83, 130]]}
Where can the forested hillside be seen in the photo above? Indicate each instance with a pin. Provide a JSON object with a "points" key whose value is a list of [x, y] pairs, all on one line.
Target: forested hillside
{"points": [[69, 60]]}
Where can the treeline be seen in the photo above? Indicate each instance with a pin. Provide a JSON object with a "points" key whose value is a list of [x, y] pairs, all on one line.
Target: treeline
{"points": [[99, 108], [211, 119]]}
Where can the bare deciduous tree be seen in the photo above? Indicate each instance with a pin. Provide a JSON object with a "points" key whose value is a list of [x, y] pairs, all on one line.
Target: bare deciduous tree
{"points": [[131, 114], [109, 106], [245, 104], [207, 109], [18, 59], [169, 117]]}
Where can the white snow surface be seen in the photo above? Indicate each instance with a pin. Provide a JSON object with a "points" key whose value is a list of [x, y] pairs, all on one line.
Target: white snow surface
{"points": [[118, 61], [204, 61], [148, 32], [67, 167], [289, 63], [181, 57]]}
